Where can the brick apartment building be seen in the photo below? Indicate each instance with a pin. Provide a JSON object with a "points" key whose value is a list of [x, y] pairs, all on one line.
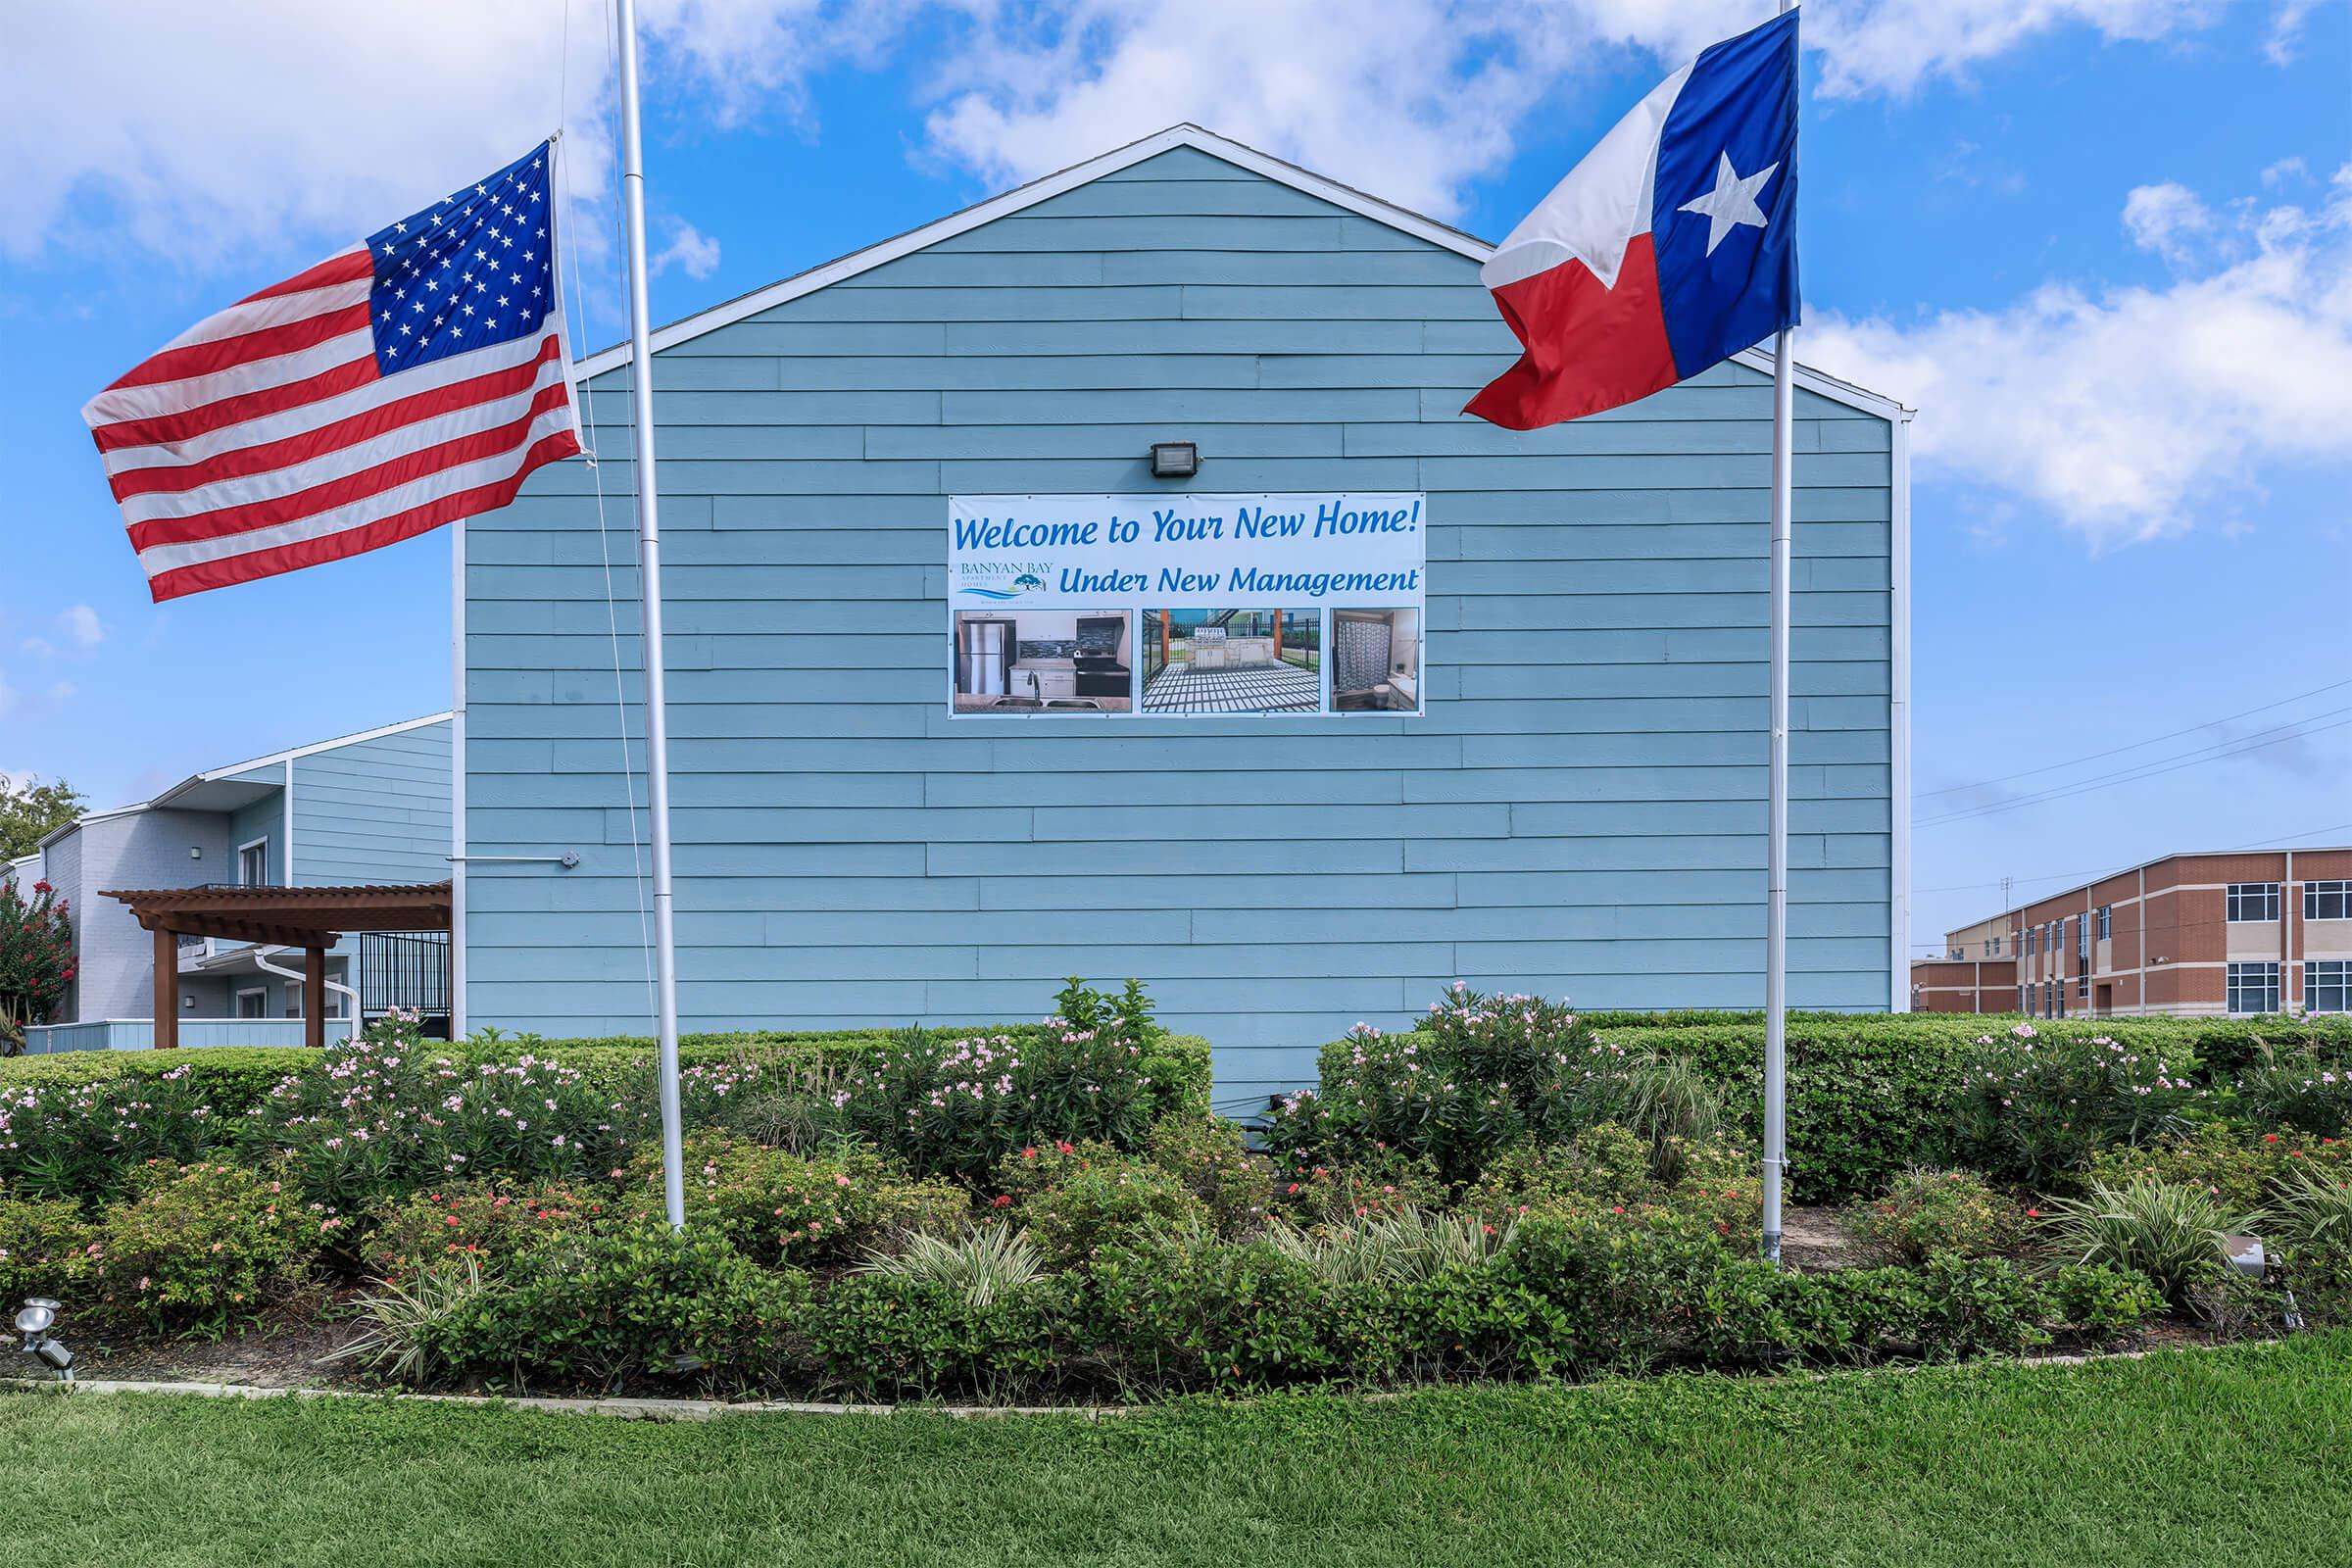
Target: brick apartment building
{"points": [[2242, 932]]}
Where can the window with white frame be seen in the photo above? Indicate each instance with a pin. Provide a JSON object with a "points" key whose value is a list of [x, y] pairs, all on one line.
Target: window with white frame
{"points": [[252, 863], [2253, 902], [2082, 939], [2327, 901], [253, 1004], [2254, 987], [2106, 922], [2327, 987]]}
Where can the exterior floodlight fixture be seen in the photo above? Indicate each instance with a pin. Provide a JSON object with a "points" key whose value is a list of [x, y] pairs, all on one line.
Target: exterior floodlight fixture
{"points": [[32, 1321], [1175, 459]]}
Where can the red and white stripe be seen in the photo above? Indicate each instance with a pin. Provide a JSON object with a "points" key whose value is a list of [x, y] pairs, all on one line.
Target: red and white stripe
{"points": [[265, 439]]}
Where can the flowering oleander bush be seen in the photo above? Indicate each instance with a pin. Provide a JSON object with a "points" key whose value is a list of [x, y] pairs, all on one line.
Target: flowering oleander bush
{"points": [[88, 1141], [777, 1207], [1928, 1211], [2307, 1091], [958, 1106], [393, 1114], [1482, 1073], [199, 1247], [2035, 1111]]}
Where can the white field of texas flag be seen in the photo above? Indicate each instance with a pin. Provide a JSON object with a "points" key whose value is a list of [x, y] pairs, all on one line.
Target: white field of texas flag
{"points": [[410, 382]]}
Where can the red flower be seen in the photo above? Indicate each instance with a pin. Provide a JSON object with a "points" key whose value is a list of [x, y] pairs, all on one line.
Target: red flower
{"points": [[2270, 1138]]}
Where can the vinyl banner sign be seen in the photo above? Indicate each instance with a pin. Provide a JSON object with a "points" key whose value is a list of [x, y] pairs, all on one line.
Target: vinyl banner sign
{"points": [[1186, 605]]}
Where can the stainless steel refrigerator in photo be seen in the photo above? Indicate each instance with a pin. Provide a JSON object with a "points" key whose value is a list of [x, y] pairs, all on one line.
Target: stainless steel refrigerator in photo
{"points": [[985, 651]]}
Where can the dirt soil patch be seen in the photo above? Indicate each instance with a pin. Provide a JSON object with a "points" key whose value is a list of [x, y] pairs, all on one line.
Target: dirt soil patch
{"points": [[282, 1352], [1816, 1241]]}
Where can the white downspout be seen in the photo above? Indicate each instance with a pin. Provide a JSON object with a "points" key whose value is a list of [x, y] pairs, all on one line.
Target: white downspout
{"points": [[351, 1003]]}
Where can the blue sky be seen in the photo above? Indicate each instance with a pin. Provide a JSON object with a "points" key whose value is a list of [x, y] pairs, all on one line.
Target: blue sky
{"points": [[2103, 244]]}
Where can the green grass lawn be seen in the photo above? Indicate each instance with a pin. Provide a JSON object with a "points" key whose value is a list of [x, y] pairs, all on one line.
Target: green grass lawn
{"points": [[2229, 1457]]}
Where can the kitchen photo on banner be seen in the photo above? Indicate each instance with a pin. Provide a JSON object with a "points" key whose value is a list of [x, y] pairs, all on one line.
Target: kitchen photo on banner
{"points": [[1020, 661]]}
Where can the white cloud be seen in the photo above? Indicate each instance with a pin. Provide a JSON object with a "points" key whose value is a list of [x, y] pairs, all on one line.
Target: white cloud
{"points": [[2129, 410], [2285, 169], [40, 648], [80, 623], [689, 249], [1892, 46], [2160, 217], [2286, 29], [199, 131]]}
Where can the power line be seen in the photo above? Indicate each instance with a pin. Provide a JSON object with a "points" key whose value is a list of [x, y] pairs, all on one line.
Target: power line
{"points": [[2113, 751], [2150, 770]]}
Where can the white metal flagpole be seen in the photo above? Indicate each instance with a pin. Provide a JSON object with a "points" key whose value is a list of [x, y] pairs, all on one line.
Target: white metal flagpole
{"points": [[1775, 848], [649, 554]]}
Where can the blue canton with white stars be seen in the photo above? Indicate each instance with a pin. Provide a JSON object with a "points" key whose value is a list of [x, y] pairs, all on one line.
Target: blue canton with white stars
{"points": [[474, 269]]}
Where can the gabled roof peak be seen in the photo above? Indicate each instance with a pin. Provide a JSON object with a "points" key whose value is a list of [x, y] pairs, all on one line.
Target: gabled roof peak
{"points": [[1048, 186]]}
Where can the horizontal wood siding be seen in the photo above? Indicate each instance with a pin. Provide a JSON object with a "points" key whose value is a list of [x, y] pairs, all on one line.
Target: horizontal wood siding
{"points": [[375, 810], [1581, 813]]}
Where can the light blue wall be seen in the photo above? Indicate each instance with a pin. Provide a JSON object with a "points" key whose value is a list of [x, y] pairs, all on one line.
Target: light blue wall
{"points": [[375, 810], [1581, 811]]}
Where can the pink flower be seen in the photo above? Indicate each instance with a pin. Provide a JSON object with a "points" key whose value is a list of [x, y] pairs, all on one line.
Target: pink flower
{"points": [[841, 1181]]}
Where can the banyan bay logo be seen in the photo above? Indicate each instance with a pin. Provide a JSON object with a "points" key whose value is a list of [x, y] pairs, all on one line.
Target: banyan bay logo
{"points": [[1001, 580]]}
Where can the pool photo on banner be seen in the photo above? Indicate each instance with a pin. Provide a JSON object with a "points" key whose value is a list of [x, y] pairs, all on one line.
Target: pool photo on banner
{"points": [[1233, 660]]}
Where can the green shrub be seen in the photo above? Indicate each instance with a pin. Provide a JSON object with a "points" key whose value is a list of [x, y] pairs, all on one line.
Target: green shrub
{"points": [[1602, 1166], [2034, 1109], [89, 1141], [777, 1207], [1380, 1184], [888, 1336], [1978, 1306], [1207, 1155], [1076, 1199], [45, 1250], [1928, 1211], [231, 1079], [2103, 1306], [485, 1222], [199, 1247], [1392, 1248], [2228, 1160], [612, 1306], [2172, 1235], [1185, 1313]]}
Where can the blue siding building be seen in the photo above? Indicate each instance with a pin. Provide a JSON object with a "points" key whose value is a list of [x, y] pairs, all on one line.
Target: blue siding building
{"points": [[371, 808], [1579, 810]]}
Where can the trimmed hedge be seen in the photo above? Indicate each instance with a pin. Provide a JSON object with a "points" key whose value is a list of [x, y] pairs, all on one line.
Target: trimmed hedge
{"points": [[1868, 1096], [234, 1079]]}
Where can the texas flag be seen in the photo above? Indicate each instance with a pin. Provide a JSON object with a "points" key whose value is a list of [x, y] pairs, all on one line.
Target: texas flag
{"points": [[1670, 247]]}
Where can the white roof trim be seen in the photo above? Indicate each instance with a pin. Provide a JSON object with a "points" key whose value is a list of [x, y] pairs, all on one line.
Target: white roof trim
{"points": [[1053, 185], [163, 800]]}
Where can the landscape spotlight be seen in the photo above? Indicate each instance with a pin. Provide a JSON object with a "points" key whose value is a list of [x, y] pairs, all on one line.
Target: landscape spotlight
{"points": [[32, 1321], [1175, 459]]}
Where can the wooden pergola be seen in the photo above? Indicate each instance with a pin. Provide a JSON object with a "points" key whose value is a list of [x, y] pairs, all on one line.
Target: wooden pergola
{"points": [[313, 919]]}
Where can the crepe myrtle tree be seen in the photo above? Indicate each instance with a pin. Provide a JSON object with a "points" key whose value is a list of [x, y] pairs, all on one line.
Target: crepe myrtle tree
{"points": [[36, 959]]}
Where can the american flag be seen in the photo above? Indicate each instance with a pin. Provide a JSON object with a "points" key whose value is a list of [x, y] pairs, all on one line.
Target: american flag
{"points": [[402, 384]]}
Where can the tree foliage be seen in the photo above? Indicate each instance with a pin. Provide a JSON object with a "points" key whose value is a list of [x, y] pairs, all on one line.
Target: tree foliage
{"points": [[32, 811]]}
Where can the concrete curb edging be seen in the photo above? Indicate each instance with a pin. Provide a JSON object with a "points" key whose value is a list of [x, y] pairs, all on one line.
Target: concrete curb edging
{"points": [[626, 1408]]}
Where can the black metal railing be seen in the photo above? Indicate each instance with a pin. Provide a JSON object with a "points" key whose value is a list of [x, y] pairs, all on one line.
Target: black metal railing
{"points": [[404, 970]]}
